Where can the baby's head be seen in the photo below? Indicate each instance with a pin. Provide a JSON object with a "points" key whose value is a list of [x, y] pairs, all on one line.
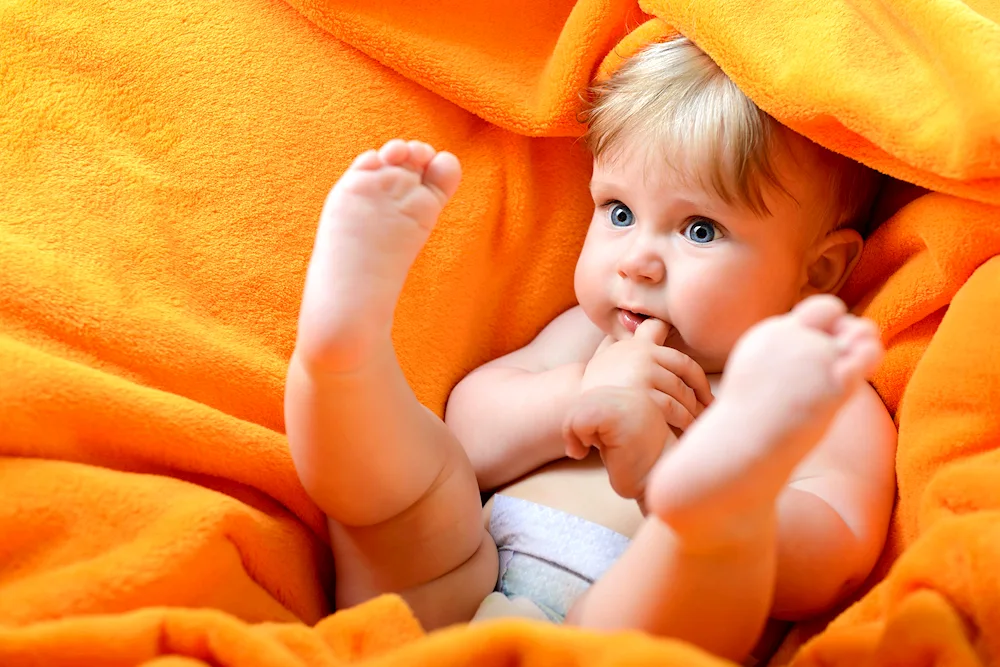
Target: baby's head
{"points": [[709, 214]]}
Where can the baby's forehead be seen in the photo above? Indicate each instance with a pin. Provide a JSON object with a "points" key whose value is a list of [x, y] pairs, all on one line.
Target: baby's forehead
{"points": [[798, 183], [643, 167]]}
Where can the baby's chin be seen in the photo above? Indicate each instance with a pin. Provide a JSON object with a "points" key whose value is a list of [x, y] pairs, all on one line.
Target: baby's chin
{"points": [[712, 368], [711, 361]]}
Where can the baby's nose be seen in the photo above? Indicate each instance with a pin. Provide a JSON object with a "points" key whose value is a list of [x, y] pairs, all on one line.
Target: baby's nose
{"points": [[642, 264]]}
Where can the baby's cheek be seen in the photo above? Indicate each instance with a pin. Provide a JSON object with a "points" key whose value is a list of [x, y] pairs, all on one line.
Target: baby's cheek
{"points": [[592, 301], [711, 318]]}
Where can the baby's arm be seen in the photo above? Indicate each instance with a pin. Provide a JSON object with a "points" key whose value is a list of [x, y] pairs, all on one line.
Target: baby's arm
{"points": [[508, 414], [834, 513]]}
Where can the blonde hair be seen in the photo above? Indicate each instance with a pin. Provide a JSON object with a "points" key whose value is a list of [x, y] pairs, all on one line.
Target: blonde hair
{"points": [[673, 100]]}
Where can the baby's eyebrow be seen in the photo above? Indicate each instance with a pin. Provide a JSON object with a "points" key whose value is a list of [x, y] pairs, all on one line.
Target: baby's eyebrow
{"points": [[606, 190], [603, 190], [606, 182]]}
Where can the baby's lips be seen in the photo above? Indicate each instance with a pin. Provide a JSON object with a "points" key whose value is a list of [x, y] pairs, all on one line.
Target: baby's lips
{"points": [[631, 320]]}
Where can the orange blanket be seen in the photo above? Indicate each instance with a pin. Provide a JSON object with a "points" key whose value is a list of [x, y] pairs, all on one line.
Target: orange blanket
{"points": [[162, 167]]}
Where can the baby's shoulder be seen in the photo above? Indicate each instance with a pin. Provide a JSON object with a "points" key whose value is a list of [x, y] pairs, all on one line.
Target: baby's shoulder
{"points": [[860, 442], [574, 325], [568, 339], [571, 336]]}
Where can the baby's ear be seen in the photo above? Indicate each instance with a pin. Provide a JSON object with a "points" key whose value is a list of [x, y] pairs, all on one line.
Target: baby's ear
{"points": [[833, 259]]}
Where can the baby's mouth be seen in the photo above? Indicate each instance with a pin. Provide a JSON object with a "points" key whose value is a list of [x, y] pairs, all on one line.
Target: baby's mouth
{"points": [[631, 319]]}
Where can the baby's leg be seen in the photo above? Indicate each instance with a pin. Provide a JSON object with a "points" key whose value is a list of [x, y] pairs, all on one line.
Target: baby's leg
{"points": [[703, 567], [401, 495]]}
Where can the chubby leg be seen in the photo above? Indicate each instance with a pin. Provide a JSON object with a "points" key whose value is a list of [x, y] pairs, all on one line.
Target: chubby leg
{"points": [[498, 605], [702, 567], [398, 488]]}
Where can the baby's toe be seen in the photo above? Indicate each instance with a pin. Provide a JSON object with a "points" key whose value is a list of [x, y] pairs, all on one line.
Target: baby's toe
{"points": [[367, 161], [443, 174], [820, 312], [394, 152], [421, 154], [850, 329], [860, 348]]}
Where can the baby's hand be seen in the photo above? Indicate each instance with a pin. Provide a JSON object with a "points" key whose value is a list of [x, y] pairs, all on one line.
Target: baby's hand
{"points": [[626, 426], [676, 384]]}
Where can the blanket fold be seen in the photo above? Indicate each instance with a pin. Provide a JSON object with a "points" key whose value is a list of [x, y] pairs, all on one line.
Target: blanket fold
{"points": [[163, 166]]}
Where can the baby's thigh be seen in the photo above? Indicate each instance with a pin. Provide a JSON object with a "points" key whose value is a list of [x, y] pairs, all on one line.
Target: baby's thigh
{"points": [[455, 596], [498, 605], [436, 555], [438, 597]]}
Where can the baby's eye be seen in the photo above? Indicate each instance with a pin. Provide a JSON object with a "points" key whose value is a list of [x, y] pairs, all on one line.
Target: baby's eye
{"points": [[701, 231], [621, 216]]}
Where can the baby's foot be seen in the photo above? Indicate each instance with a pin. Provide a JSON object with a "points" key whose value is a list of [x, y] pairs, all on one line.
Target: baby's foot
{"points": [[785, 382], [797, 370], [375, 221]]}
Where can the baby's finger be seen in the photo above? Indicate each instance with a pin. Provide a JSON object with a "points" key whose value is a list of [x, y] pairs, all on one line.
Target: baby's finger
{"points": [[653, 330], [688, 370], [605, 344], [670, 384], [626, 474], [674, 412], [580, 431], [575, 449]]}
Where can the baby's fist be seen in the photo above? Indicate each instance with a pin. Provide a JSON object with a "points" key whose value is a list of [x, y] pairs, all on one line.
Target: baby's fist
{"points": [[628, 429]]}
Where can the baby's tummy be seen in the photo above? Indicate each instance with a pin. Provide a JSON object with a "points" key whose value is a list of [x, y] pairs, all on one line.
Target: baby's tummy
{"points": [[580, 488]]}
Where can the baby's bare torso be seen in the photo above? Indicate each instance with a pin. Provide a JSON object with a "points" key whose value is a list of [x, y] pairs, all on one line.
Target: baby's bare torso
{"points": [[580, 488]]}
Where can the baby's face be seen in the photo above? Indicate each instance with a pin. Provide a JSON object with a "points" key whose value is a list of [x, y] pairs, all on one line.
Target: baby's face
{"points": [[661, 246]]}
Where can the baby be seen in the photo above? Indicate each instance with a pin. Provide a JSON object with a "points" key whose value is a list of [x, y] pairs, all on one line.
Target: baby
{"points": [[716, 239]]}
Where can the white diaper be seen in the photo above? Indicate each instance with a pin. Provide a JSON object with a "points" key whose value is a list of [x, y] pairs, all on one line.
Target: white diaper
{"points": [[549, 556]]}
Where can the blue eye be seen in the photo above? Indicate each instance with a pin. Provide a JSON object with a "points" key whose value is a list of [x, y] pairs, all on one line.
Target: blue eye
{"points": [[701, 231], [621, 216]]}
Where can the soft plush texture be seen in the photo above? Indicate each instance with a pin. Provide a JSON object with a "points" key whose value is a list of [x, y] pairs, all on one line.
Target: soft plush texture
{"points": [[163, 165]]}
